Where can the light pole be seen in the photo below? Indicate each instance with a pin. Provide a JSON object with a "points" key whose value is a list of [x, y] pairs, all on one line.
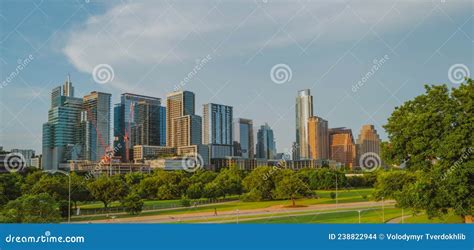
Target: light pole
{"points": [[402, 215], [237, 216], [359, 215], [336, 188], [69, 202], [383, 210]]}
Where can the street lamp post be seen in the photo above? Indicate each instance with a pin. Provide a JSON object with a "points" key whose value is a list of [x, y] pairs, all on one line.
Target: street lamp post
{"points": [[237, 216], [383, 210], [336, 188], [402, 216]]}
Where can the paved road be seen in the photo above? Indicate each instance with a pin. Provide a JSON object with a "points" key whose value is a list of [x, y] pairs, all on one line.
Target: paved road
{"points": [[274, 210]]}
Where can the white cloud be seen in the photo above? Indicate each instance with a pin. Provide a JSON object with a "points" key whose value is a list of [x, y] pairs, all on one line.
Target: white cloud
{"points": [[133, 37]]}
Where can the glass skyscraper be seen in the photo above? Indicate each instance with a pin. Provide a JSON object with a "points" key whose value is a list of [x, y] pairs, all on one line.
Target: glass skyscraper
{"points": [[243, 138], [95, 124], [61, 134], [266, 146], [217, 129], [304, 110], [138, 120]]}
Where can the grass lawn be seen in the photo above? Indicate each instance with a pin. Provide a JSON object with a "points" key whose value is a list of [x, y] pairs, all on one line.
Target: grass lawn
{"points": [[344, 196], [368, 216], [422, 218]]}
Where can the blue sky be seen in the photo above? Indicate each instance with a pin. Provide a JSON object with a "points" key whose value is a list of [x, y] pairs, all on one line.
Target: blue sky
{"points": [[329, 46]]}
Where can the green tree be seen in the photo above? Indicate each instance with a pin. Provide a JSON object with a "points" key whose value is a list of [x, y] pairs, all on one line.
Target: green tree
{"points": [[79, 191], [133, 204], [108, 189], [10, 187], [259, 183], [55, 185], [435, 132], [230, 181], [290, 186], [212, 190], [195, 190], [38, 208], [390, 184]]}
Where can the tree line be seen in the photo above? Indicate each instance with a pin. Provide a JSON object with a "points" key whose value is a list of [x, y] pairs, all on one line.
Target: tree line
{"points": [[36, 196]]}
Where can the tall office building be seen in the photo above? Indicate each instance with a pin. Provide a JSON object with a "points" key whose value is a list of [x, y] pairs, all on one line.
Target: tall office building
{"points": [[243, 138], [342, 148], [61, 138], [162, 126], [266, 146], [178, 104], [95, 124], [146, 130], [304, 110], [187, 130], [137, 120], [217, 129], [318, 138], [368, 141]]}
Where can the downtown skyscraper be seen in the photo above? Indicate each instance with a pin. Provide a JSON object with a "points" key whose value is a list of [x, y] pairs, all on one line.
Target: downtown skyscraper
{"points": [[183, 127], [367, 142], [77, 128], [243, 138], [61, 133], [318, 138], [138, 120], [217, 129], [266, 146], [304, 110], [95, 125]]}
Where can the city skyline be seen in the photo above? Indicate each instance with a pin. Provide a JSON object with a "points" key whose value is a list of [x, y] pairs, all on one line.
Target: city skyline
{"points": [[335, 63]]}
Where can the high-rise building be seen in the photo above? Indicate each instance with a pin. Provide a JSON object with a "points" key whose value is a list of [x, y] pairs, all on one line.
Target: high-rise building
{"points": [[318, 138], [137, 120], [187, 130], [162, 126], [61, 133], [95, 123], [342, 148], [217, 129], [178, 104], [146, 130], [266, 146], [243, 138], [304, 110], [368, 141]]}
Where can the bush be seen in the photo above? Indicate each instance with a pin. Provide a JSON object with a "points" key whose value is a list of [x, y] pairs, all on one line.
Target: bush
{"points": [[333, 195], [185, 202]]}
